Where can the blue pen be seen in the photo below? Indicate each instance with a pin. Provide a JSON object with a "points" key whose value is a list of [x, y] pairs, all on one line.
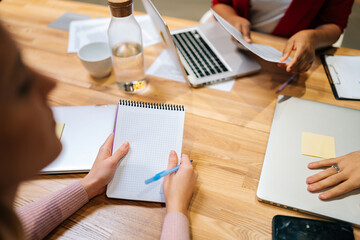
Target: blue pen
{"points": [[163, 174], [288, 81]]}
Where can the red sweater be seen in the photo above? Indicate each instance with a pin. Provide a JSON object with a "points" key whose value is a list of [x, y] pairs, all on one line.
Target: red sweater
{"points": [[301, 14]]}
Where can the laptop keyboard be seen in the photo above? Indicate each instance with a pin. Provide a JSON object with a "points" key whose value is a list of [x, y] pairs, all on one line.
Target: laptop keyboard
{"points": [[198, 55]]}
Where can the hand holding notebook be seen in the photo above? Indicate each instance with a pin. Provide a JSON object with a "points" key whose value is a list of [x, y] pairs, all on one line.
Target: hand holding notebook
{"points": [[103, 168], [178, 187]]}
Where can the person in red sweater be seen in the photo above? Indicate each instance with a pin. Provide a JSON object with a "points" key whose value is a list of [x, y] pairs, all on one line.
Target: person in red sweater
{"points": [[28, 143], [309, 24]]}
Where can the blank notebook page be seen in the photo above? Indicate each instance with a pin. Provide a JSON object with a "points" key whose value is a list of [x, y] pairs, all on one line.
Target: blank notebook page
{"points": [[152, 131]]}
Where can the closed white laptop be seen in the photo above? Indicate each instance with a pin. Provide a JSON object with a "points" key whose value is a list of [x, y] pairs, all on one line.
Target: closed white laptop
{"points": [[284, 172], [205, 52], [86, 129]]}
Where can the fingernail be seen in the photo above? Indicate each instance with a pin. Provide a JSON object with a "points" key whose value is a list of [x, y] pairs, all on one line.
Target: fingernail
{"points": [[125, 144], [309, 179], [172, 153], [323, 196], [310, 164], [311, 187]]}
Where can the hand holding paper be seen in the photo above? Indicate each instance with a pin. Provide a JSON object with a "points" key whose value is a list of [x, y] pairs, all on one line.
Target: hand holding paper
{"points": [[303, 46], [243, 25], [265, 52]]}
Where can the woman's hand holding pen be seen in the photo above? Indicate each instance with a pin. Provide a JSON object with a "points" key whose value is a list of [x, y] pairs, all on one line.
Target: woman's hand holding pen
{"points": [[342, 180], [104, 167], [179, 186]]}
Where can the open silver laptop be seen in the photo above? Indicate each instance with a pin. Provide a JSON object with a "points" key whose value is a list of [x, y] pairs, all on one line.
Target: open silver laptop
{"points": [[284, 171], [205, 52]]}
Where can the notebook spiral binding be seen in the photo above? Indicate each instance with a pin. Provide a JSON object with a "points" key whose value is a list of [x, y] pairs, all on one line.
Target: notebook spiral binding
{"points": [[152, 105]]}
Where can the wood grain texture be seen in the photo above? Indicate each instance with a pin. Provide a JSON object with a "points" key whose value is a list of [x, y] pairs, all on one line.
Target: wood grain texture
{"points": [[225, 133]]}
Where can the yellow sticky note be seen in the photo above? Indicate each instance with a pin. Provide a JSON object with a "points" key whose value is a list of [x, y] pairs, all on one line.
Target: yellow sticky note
{"points": [[59, 128], [316, 145]]}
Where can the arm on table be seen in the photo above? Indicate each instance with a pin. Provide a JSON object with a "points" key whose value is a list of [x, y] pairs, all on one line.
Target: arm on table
{"points": [[41, 217]]}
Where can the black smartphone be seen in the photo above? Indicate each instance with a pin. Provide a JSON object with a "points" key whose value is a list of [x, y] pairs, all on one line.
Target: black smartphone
{"points": [[294, 228]]}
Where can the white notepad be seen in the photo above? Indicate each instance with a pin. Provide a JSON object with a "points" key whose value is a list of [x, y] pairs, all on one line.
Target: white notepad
{"points": [[153, 131]]}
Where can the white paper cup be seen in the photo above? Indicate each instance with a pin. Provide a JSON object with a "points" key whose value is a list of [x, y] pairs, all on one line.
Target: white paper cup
{"points": [[96, 58]]}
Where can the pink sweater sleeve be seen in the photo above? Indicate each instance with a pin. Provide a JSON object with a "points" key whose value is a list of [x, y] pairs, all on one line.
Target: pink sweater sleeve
{"points": [[41, 217], [176, 227]]}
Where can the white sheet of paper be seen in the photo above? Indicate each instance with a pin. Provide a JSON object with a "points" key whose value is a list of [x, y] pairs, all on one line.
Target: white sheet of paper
{"points": [[345, 73], [95, 30], [165, 67], [265, 52], [223, 86]]}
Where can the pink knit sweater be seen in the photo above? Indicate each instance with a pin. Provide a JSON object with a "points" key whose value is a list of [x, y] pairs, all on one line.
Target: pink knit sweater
{"points": [[41, 217]]}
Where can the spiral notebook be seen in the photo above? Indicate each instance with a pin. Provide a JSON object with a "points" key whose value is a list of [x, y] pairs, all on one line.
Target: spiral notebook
{"points": [[152, 130]]}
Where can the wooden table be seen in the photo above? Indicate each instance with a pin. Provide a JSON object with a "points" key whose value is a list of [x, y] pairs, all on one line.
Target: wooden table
{"points": [[225, 133]]}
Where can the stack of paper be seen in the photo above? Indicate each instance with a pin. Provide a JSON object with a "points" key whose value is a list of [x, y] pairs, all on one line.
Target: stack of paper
{"points": [[95, 30]]}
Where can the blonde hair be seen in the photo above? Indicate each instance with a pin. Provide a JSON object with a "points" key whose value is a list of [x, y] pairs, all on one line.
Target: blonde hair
{"points": [[10, 226]]}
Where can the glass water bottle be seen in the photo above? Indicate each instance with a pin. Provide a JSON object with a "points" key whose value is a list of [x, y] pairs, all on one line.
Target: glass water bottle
{"points": [[125, 40]]}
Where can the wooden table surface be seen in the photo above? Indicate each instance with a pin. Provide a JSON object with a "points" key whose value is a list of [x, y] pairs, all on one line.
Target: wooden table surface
{"points": [[226, 133]]}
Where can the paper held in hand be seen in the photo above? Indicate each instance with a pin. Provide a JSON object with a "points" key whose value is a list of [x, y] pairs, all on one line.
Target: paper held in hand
{"points": [[265, 52]]}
